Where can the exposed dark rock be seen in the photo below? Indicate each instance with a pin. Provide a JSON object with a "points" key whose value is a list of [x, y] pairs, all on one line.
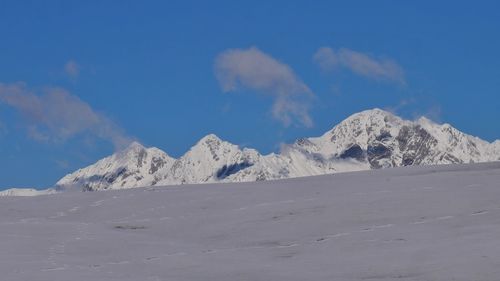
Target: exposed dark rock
{"points": [[156, 163], [354, 152], [384, 136], [140, 157], [303, 142], [450, 158], [377, 152], [226, 171], [415, 143]]}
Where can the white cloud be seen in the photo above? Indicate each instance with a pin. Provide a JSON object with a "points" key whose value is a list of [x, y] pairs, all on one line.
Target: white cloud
{"points": [[253, 69], [56, 115], [72, 69], [360, 63]]}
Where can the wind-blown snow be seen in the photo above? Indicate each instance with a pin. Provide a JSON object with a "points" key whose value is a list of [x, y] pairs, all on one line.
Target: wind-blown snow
{"points": [[413, 224], [370, 139]]}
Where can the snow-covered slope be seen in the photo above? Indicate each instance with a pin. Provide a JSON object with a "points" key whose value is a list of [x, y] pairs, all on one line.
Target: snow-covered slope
{"points": [[209, 160], [495, 149], [438, 223], [370, 139], [26, 192], [135, 166]]}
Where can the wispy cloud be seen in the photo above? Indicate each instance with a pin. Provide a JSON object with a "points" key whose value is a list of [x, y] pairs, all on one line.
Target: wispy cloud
{"points": [[414, 108], [395, 109], [56, 115], [433, 112], [253, 69], [72, 69], [362, 64]]}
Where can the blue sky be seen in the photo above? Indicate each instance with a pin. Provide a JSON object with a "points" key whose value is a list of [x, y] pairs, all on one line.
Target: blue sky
{"points": [[78, 79]]}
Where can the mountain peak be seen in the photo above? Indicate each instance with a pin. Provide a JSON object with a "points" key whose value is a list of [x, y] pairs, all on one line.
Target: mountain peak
{"points": [[363, 124], [210, 137], [367, 120], [375, 113], [376, 110], [370, 139], [134, 146], [211, 143], [426, 120]]}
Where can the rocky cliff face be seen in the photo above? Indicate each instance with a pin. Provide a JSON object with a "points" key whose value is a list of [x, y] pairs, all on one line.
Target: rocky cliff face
{"points": [[382, 139], [371, 139]]}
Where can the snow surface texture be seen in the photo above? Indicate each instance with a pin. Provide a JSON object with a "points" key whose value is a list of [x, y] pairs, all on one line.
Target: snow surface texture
{"points": [[413, 224], [370, 139]]}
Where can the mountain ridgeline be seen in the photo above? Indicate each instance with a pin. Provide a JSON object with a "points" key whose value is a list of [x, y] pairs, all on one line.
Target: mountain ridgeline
{"points": [[371, 139]]}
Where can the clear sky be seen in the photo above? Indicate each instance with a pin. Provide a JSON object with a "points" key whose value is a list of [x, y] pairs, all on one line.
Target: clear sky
{"points": [[79, 79]]}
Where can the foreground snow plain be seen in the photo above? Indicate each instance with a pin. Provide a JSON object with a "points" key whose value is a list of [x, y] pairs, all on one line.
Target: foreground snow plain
{"points": [[413, 223]]}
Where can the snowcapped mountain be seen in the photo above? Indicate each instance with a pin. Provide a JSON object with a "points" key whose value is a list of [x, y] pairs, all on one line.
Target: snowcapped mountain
{"points": [[371, 139], [135, 166], [381, 139], [211, 159]]}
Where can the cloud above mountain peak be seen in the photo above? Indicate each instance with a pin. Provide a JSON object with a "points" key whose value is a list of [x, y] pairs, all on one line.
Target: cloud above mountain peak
{"points": [[57, 115], [382, 69], [255, 70]]}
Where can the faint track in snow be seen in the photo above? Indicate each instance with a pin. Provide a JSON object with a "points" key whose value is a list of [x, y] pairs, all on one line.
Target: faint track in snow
{"points": [[423, 221], [55, 251], [83, 231], [265, 204], [481, 212], [97, 203], [58, 215]]}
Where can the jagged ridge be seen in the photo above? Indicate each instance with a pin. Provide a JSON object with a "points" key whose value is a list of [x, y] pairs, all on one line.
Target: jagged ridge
{"points": [[370, 139]]}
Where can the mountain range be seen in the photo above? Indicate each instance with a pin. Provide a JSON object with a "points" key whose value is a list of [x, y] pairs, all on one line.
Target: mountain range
{"points": [[370, 139]]}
